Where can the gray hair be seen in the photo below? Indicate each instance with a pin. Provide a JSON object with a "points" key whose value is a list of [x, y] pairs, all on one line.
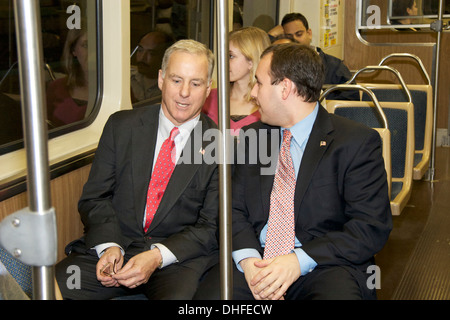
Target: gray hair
{"points": [[192, 47]]}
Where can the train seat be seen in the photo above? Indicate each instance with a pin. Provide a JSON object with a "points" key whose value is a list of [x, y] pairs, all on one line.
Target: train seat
{"points": [[385, 135], [17, 275], [16, 280], [400, 117], [422, 98]]}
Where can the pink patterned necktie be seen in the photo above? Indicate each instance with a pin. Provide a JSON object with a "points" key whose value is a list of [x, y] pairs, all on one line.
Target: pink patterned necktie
{"points": [[160, 177], [281, 231]]}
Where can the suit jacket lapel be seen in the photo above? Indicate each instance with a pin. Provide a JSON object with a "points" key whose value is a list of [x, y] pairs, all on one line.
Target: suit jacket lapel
{"points": [[143, 151], [183, 172], [318, 142]]}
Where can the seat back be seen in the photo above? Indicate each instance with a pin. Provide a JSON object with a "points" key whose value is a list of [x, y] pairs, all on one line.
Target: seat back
{"points": [[422, 99], [400, 118], [385, 135], [19, 271], [332, 105], [20, 278]]}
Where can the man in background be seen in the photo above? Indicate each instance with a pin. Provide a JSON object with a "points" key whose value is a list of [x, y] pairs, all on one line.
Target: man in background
{"points": [[296, 26], [149, 54]]}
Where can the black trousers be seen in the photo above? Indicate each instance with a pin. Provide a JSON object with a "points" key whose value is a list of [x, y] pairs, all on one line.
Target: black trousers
{"points": [[174, 282], [323, 283]]}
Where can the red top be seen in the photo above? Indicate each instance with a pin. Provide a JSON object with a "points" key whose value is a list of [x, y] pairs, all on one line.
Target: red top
{"points": [[210, 108], [61, 107]]}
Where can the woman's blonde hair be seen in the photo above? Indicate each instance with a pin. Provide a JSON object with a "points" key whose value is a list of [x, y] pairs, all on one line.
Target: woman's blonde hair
{"points": [[251, 41], [71, 65]]}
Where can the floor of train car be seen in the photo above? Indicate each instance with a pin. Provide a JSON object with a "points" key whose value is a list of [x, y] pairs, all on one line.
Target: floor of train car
{"points": [[414, 264]]}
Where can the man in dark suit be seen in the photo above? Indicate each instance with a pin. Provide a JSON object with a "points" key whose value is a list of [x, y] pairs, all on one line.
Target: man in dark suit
{"points": [[339, 206], [125, 250], [296, 26]]}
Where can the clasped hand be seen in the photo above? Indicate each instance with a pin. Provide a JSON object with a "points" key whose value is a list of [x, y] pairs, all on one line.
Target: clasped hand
{"points": [[270, 279], [136, 271]]}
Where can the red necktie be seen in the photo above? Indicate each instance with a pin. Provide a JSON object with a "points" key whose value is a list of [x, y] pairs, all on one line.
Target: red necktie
{"points": [[281, 230], [160, 177]]}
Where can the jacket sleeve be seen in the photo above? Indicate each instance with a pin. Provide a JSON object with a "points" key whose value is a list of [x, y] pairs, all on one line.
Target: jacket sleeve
{"points": [[97, 213], [366, 210]]}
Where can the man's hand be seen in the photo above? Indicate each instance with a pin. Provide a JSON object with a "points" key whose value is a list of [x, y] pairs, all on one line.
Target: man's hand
{"points": [[250, 270], [112, 257], [276, 31], [138, 269], [275, 276]]}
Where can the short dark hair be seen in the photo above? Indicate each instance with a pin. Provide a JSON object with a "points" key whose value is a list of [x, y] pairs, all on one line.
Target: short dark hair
{"points": [[294, 17], [399, 7], [299, 63]]}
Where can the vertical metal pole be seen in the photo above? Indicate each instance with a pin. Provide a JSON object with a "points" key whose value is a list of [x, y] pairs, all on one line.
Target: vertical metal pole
{"points": [[31, 66], [226, 271], [436, 90]]}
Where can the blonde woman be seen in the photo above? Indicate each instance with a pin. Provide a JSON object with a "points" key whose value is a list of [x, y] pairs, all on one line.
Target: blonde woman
{"points": [[67, 97], [246, 46]]}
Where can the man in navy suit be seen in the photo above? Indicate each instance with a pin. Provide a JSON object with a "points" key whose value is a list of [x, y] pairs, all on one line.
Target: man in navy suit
{"points": [[341, 209], [166, 260], [341, 205]]}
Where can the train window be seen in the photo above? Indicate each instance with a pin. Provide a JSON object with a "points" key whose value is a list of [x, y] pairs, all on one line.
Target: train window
{"points": [[415, 12], [431, 7], [262, 14], [70, 48], [155, 25], [405, 15]]}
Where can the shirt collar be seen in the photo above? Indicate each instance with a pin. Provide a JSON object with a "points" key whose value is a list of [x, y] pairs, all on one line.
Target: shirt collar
{"points": [[301, 130], [166, 126]]}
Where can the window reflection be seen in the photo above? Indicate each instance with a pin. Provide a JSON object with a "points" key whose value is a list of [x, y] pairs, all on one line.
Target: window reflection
{"points": [[431, 7], [406, 9], [149, 54], [68, 60], [67, 97], [155, 25], [405, 12]]}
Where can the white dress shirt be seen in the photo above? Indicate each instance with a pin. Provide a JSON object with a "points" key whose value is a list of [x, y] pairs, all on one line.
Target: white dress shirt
{"points": [[164, 128], [300, 133]]}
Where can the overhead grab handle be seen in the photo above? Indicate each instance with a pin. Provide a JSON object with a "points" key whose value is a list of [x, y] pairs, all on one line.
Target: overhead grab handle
{"points": [[390, 69], [411, 56], [358, 87]]}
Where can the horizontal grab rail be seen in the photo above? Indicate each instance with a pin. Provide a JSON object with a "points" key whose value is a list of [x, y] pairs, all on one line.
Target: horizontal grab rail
{"points": [[358, 87]]}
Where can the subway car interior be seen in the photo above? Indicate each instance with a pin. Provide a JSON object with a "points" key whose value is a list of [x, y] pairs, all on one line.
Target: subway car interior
{"points": [[67, 65]]}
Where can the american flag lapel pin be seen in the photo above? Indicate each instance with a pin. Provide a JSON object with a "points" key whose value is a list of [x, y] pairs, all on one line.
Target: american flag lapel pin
{"points": [[323, 143]]}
